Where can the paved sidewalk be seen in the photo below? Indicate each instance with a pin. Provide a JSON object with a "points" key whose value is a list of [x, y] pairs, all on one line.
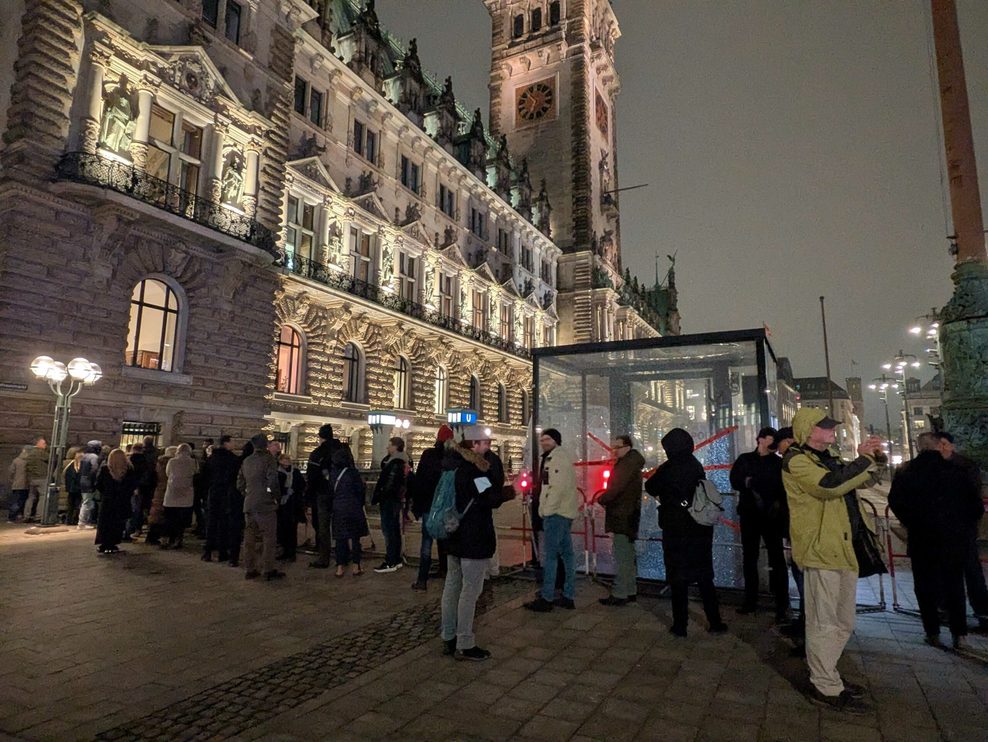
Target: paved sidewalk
{"points": [[158, 645]]}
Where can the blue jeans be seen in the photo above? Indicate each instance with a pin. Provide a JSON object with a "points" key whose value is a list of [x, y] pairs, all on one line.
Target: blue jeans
{"points": [[557, 540], [464, 581], [391, 528]]}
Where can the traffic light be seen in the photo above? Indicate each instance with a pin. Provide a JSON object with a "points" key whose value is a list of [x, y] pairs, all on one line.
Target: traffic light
{"points": [[607, 478]]}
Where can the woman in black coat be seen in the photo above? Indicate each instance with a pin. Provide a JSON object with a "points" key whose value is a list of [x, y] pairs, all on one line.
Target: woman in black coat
{"points": [[349, 519], [116, 483], [687, 546]]}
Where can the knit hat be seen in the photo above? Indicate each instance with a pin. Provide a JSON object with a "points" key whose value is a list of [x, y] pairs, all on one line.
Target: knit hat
{"points": [[445, 433], [554, 434], [326, 431]]}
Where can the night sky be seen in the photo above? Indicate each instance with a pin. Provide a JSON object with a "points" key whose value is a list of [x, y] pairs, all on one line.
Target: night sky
{"points": [[792, 150]]}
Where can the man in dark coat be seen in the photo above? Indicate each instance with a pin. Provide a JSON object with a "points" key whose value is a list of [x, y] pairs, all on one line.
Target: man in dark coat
{"points": [[220, 473], [687, 546], [622, 502], [145, 476], [388, 494], [427, 476], [291, 508], [939, 506], [974, 575], [319, 494], [472, 544], [757, 478]]}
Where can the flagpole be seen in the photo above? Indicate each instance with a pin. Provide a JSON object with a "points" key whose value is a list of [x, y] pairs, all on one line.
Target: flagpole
{"points": [[826, 357]]}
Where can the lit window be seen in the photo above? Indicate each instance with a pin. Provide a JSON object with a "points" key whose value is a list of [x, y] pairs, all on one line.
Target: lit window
{"points": [[403, 386], [529, 325], [289, 373], [153, 328], [353, 373], [479, 311], [507, 317], [440, 391]]}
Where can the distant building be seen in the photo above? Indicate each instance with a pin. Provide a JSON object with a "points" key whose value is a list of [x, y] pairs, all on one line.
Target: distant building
{"points": [[813, 392], [786, 392]]}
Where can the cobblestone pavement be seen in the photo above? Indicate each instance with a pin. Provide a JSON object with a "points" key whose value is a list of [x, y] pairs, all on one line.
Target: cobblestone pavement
{"points": [[158, 645]]}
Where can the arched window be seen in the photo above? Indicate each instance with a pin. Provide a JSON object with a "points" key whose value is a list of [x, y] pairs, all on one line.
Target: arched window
{"points": [[554, 13], [502, 403], [474, 401], [403, 384], [536, 19], [353, 373], [153, 330], [441, 389], [518, 28], [526, 407], [288, 379]]}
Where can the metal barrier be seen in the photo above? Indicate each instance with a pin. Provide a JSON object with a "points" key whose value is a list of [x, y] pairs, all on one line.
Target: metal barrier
{"points": [[892, 556]]}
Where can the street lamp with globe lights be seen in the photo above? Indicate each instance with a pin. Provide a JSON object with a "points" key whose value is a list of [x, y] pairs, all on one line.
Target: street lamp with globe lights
{"points": [[898, 366], [78, 372], [882, 385]]}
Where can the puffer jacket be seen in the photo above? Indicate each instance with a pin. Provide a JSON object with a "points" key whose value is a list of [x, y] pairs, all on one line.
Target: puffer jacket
{"points": [[181, 471], [816, 483], [558, 495]]}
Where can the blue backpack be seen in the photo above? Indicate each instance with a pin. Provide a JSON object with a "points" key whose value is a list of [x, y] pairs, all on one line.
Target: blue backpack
{"points": [[443, 518]]}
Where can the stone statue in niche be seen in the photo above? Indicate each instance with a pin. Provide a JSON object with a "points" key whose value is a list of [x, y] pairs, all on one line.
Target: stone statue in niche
{"points": [[412, 213], [232, 191], [335, 242], [119, 117], [387, 263], [449, 235], [430, 282], [463, 301]]}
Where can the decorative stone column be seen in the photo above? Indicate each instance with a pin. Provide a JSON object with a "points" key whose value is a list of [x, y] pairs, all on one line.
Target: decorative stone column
{"points": [[251, 170], [99, 62], [321, 252], [142, 126]]}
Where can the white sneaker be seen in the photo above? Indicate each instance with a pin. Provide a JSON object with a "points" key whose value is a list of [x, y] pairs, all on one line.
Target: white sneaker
{"points": [[385, 568]]}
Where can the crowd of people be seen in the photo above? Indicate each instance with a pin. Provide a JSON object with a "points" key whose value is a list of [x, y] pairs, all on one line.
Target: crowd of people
{"points": [[791, 490]]}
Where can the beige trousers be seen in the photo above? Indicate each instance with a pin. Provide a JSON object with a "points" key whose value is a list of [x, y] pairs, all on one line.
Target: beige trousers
{"points": [[830, 596]]}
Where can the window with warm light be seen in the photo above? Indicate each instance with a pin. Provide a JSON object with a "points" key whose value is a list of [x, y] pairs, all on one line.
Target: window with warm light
{"points": [[361, 250], [289, 370], [300, 230], [153, 330], [174, 149], [445, 294]]}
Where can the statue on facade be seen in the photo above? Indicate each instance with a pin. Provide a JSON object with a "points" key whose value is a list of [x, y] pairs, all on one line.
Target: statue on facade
{"points": [[232, 191], [335, 243], [449, 235], [543, 210], [387, 263], [119, 117], [429, 283], [412, 213]]}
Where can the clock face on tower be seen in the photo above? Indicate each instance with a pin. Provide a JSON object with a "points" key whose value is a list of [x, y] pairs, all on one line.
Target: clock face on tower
{"points": [[535, 102]]}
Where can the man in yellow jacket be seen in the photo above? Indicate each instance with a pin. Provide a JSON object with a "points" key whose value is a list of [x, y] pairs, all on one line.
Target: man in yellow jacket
{"points": [[820, 531], [559, 504]]}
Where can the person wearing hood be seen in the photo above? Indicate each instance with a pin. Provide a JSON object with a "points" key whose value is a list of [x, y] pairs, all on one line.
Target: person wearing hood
{"points": [[426, 480], [319, 494], [757, 478], [559, 504], [687, 546], [820, 489], [472, 544], [349, 518], [940, 506], [388, 493]]}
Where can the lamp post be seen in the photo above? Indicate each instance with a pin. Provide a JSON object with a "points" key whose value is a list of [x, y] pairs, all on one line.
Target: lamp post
{"points": [[78, 373], [882, 384], [382, 425], [898, 365]]}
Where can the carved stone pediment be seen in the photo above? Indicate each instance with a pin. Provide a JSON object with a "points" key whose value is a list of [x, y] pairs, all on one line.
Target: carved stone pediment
{"points": [[312, 169], [189, 69]]}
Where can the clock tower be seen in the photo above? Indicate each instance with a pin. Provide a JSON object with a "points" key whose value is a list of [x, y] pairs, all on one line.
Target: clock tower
{"points": [[552, 88]]}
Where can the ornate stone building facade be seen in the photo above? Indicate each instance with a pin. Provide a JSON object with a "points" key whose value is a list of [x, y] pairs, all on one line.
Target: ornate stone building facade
{"points": [[264, 213]]}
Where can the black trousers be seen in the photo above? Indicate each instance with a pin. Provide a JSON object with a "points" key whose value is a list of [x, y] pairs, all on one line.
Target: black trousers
{"points": [[235, 527], [681, 597], [974, 576], [755, 529], [938, 579], [218, 524], [288, 529]]}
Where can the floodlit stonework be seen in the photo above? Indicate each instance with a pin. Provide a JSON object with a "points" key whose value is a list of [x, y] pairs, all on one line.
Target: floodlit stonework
{"points": [[265, 214]]}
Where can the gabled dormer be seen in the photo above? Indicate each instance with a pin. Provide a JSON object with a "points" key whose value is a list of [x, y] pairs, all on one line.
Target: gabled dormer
{"points": [[368, 50], [522, 191], [471, 149], [411, 95], [443, 122]]}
